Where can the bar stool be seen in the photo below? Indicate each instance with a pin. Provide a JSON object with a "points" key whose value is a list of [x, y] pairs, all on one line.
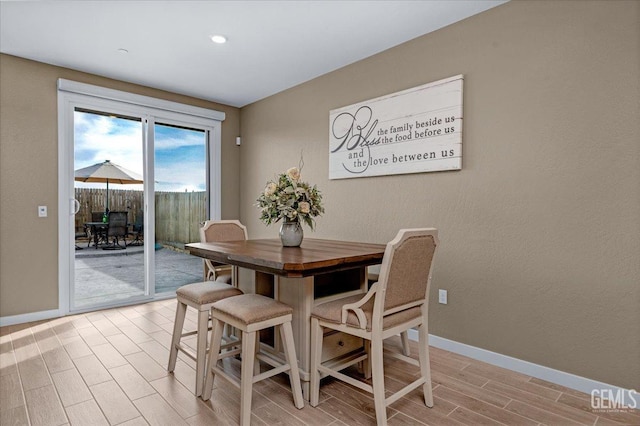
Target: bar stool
{"points": [[199, 296], [251, 313]]}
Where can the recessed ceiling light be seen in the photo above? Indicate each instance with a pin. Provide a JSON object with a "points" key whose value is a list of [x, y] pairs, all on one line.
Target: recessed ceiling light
{"points": [[121, 50], [219, 39]]}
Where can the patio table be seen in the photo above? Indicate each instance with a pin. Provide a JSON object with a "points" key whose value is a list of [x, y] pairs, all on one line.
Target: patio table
{"points": [[96, 229]]}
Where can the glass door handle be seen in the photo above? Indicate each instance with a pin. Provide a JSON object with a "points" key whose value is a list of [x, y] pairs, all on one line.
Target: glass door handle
{"points": [[75, 208]]}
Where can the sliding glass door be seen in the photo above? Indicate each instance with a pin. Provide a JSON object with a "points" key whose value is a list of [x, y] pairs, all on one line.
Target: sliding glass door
{"points": [[108, 182], [181, 202], [136, 182]]}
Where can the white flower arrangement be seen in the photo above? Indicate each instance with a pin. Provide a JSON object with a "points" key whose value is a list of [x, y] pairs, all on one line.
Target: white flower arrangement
{"points": [[290, 199]]}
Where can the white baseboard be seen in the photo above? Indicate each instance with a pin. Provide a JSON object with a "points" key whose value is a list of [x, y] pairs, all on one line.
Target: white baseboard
{"points": [[558, 377], [32, 316]]}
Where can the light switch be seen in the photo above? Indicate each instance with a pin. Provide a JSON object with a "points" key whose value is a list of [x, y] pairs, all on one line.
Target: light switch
{"points": [[442, 296], [42, 211]]}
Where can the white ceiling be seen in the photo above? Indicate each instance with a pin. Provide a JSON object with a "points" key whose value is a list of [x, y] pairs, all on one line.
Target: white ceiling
{"points": [[272, 45]]}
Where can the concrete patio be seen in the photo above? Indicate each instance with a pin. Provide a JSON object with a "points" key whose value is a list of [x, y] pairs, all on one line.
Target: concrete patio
{"points": [[110, 275]]}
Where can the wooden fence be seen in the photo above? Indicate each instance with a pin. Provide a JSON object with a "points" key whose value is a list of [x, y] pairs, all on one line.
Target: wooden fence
{"points": [[177, 214]]}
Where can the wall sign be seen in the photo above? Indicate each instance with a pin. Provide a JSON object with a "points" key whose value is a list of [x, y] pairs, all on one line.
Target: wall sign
{"points": [[413, 131]]}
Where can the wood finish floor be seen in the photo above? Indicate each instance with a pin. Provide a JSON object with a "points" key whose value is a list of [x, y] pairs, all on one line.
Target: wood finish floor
{"points": [[109, 368]]}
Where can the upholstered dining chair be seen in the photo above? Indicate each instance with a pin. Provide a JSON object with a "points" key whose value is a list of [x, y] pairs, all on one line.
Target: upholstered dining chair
{"points": [[220, 231], [398, 301]]}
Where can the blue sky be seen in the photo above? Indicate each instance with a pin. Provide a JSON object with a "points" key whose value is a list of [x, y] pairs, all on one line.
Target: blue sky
{"points": [[180, 154]]}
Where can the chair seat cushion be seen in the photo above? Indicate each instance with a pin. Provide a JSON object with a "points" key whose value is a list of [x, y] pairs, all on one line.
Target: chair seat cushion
{"points": [[332, 312], [251, 308], [224, 279], [207, 292]]}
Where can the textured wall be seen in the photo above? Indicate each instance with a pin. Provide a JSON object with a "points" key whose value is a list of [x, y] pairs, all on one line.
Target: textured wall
{"points": [[540, 247], [29, 176]]}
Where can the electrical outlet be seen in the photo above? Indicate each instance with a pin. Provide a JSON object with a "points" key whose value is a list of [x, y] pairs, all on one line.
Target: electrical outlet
{"points": [[42, 211], [442, 296]]}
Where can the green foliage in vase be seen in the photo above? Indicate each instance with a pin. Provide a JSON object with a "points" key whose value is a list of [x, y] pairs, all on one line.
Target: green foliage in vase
{"points": [[288, 198]]}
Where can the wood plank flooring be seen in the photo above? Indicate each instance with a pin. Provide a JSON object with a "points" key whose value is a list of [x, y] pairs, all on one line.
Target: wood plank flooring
{"points": [[109, 368]]}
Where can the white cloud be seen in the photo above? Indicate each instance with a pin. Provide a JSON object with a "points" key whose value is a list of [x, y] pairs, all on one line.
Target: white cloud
{"points": [[102, 139], [99, 138]]}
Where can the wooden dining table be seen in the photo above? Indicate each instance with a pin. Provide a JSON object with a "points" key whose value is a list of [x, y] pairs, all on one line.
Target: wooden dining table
{"points": [[317, 271]]}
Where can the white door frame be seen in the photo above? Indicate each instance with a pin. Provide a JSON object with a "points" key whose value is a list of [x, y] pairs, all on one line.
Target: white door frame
{"points": [[73, 94]]}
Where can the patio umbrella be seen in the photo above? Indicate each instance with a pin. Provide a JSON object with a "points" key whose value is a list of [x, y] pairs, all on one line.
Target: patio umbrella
{"points": [[107, 172]]}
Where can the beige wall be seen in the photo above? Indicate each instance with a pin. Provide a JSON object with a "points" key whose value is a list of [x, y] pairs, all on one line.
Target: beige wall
{"points": [[29, 176], [540, 249], [540, 230]]}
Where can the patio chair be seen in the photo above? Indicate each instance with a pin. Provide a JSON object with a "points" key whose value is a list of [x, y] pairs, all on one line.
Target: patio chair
{"points": [[98, 235], [138, 230], [116, 229], [396, 303], [81, 233]]}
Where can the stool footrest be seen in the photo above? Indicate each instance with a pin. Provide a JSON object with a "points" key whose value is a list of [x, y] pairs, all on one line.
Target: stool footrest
{"points": [[231, 343], [186, 351], [227, 354], [219, 371], [271, 359], [190, 333], [271, 373]]}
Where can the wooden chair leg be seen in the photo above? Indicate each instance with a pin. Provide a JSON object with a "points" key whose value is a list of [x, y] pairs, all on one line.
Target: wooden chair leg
{"points": [[425, 366], [378, 382], [316, 357], [366, 363], [256, 364], [201, 349], [246, 377], [178, 323], [404, 337], [286, 333], [216, 340]]}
